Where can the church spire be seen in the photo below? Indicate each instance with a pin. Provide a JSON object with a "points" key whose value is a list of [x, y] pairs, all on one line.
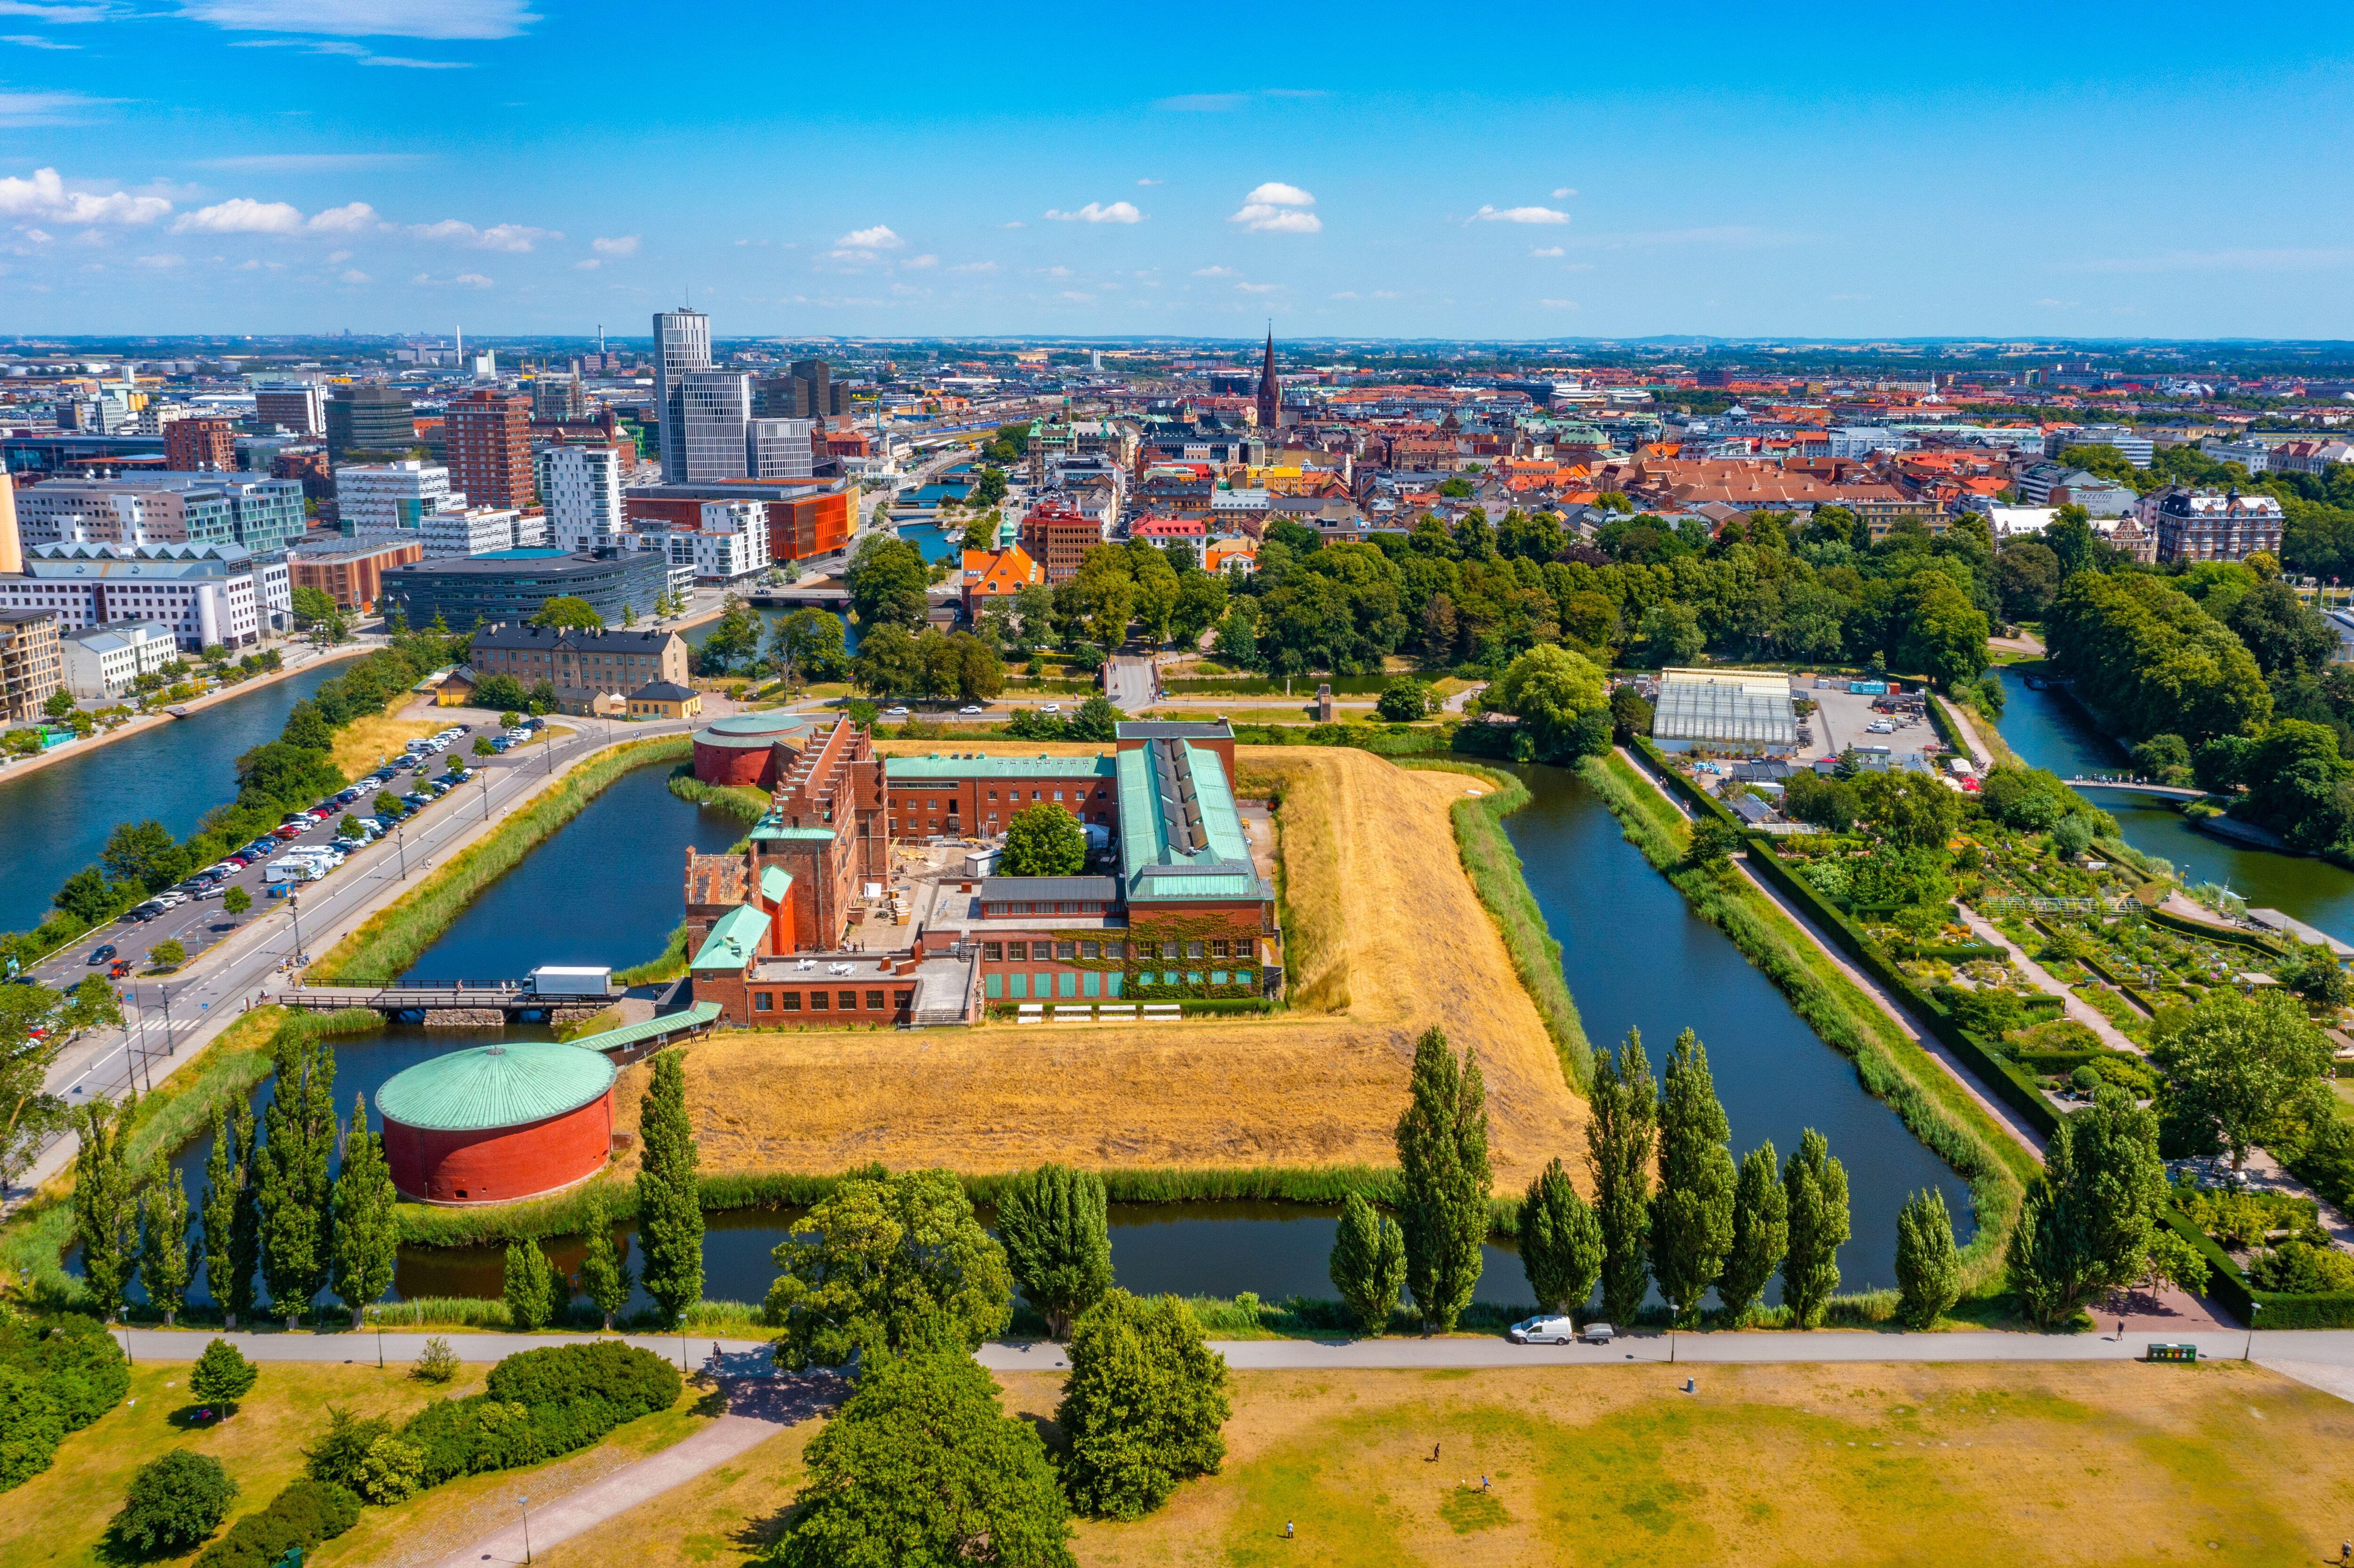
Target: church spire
{"points": [[1270, 394]]}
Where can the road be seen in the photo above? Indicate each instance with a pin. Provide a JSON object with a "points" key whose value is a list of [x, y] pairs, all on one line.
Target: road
{"points": [[223, 981]]}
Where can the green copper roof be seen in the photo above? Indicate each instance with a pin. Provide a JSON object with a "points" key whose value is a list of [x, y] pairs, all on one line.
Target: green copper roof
{"points": [[1181, 836], [769, 828], [733, 940], [775, 883], [696, 1017], [917, 769], [494, 1086]]}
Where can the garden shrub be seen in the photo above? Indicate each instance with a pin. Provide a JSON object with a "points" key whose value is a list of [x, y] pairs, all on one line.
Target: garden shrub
{"points": [[175, 1501], [297, 1518], [340, 1456], [540, 1404], [56, 1376], [2300, 1268]]}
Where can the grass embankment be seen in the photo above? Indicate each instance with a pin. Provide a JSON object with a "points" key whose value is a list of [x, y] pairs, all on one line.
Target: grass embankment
{"points": [[34, 1241], [390, 941], [1892, 1065], [736, 800]]}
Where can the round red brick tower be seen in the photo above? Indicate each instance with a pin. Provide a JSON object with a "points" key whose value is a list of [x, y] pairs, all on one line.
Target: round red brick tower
{"points": [[498, 1122], [741, 747]]}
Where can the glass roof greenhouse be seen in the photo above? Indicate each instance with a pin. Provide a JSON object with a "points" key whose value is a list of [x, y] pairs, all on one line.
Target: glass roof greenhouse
{"points": [[1726, 708]]}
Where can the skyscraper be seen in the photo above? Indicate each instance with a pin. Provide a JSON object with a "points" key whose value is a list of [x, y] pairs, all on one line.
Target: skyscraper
{"points": [[681, 346], [367, 420], [714, 411], [1270, 391], [816, 377], [490, 447]]}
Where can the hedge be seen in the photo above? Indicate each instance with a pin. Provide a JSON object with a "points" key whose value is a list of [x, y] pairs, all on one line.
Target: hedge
{"points": [[297, 1518], [2016, 1090], [1692, 794], [2327, 1309], [539, 1404], [2190, 928]]}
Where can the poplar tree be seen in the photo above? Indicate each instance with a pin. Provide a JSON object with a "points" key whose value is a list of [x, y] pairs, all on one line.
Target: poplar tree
{"points": [[1442, 1144], [365, 1241], [228, 1215], [670, 1208], [1761, 1233], [1928, 1275], [1367, 1264], [1561, 1242], [1618, 1138], [1817, 1187], [1691, 1213], [530, 1287], [294, 1192], [106, 1202], [164, 1260], [1052, 1224], [605, 1267]]}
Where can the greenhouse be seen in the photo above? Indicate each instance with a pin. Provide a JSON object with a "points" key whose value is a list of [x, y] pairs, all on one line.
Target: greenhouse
{"points": [[1725, 710]]}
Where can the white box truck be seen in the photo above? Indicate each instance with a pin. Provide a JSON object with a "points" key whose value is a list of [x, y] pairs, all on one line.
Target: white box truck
{"points": [[557, 980]]}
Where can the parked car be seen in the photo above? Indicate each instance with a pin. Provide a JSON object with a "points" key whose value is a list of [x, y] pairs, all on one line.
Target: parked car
{"points": [[1542, 1331], [101, 953], [895, 712]]}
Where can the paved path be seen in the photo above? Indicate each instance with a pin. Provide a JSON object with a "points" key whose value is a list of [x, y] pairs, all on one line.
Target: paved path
{"points": [[1966, 726], [757, 1409], [2044, 980]]}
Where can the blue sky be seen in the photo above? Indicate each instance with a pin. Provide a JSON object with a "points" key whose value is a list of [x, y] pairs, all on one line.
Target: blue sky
{"points": [[544, 166]]}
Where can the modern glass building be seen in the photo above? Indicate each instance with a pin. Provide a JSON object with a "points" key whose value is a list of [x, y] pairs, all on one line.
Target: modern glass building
{"points": [[682, 345], [512, 585]]}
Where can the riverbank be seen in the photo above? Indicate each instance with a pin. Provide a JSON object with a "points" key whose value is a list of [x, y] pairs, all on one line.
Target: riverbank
{"points": [[1889, 1061], [390, 941], [100, 739]]}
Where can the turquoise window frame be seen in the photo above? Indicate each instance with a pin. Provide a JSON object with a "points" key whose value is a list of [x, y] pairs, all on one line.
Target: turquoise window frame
{"points": [[1217, 977], [993, 986], [1111, 983], [1193, 977], [1045, 984], [1018, 987], [1068, 986], [1093, 984]]}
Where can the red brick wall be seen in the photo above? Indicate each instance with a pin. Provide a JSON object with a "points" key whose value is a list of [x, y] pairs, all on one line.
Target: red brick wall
{"points": [[746, 764], [507, 1162], [1094, 800]]}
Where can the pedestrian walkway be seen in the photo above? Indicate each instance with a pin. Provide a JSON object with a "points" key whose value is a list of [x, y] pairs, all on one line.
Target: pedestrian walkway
{"points": [[2044, 980]]}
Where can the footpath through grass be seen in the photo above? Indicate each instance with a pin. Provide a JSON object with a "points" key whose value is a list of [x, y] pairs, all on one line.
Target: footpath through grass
{"points": [[390, 941], [1891, 1066]]}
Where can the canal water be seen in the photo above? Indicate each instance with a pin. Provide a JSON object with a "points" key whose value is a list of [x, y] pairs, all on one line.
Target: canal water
{"points": [[1634, 957], [55, 820], [2047, 729]]}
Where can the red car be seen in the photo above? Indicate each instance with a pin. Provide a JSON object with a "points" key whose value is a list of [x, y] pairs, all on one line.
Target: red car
{"points": [[291, 830]]}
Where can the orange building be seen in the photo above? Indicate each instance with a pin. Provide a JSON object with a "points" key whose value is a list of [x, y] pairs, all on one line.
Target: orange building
{"points": [[351, 575], [191, 446], [997, 574], [490, 450]]}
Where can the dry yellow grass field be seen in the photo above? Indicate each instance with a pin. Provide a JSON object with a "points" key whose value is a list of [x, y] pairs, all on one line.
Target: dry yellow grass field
{"points": [[366, 743], [1387, 938], [2020, 1464]]}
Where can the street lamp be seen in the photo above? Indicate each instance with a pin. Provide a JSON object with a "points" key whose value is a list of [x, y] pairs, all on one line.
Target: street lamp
{"points": [[2249, 1349], [293, 907], [524, 1504]]}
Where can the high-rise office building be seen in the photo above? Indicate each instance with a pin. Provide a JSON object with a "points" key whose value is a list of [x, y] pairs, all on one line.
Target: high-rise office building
{"points": [[490, 447], [557, 397], [818, 394], [681, 346], [581, 488], [367, 420], [781, 449], [714, 411], [376, 499], [193, 446], [301, 408]]}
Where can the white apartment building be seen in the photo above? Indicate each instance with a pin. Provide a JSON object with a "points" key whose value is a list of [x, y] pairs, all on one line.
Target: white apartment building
{"points": [[479, 530], [102, 661], [375, 498], [729, 541], [208, 594], [581, 488], [2137, 450]]}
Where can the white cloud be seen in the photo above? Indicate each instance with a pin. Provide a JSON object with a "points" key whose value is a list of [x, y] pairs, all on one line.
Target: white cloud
{"points": [[1561, 191], [34, 41], [162, 263], [61, 11], [590, 265], [367, 18], [45, 199], [1055, 272], [1277, 208], [1096, 212], [355, 52], [974, 266], [1153, 182], [352, 217], [464, 280], [625, 245], [23, 108], [1017, 223], [311, 163], [1348, 294], [1215, 272], [1545, 251], [1256, 288], [920, 262], [241, 215], [1518, 214], [353, 275], [879, 238], [1076, 294], [335, 256], [508, 237]]}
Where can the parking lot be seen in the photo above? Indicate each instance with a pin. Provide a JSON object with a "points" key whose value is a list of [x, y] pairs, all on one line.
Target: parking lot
{"points": [[1844, 719]]}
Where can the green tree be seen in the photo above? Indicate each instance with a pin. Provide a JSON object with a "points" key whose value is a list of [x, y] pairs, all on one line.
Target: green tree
{"points": [[530, 1287], [605, 1277], [366, 1236], [888, 579], [1670, 633], [1713, 840], [222, 1375], [299, 1128], [1691, 1212], [2087, 1223], [1761, 1233], [143, 852], [163, 1262], [734, 638], [92, 1004], [1043, 840], [1561, 1242], [106, 1202], [890, 663], [228, 1216], [1911, 811], [28, 1112], [1561, 700], [1057, 1241], [1406, 699], [567, 610], [879, 1263], [2285, 635], [1442, 1144], [312, 605], [1096, 720], [1816, 1185], [670, 1209], [1143, 1407], [809, 644], [1620, 1133], [168, 954], [923, 1468], [1367, 1264], [1928, 1275], [2244, 1068], [501, 694], [175, 1502]]}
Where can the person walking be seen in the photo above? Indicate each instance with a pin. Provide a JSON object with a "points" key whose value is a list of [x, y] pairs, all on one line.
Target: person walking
{"points": [[1286, 1530]]}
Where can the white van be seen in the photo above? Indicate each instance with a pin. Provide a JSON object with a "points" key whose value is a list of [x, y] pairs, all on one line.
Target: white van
{"points": [[1542, 1331]]}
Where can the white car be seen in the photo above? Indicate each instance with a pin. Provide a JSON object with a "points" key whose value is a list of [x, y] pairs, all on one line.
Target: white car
{"points": [[1051, 708], [895, 712], [972, 708], [1542, 1331]]}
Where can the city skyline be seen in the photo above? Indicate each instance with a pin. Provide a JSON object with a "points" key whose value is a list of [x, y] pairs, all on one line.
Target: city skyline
{"points": [[251, 165]]}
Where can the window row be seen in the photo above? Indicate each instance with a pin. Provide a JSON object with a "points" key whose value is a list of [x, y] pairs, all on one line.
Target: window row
{"points": [[1024, 951], [832, 1001], [1076, 984]]}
